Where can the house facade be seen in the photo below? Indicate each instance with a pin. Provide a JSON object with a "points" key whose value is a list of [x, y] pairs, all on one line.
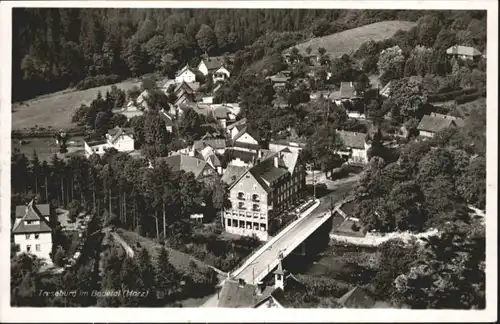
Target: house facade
{"points": [[263, 192], [432, 124], [246, 140], [185, 75], [32, 231], [221, 74], [121, 139], [354, 147], [210, 65]]}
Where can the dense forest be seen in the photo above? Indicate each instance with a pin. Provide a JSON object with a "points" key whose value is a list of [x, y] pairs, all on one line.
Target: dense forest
{"points": [[54, 48]]}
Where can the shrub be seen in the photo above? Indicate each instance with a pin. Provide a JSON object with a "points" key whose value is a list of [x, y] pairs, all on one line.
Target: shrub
{"points": [[470, 97]]}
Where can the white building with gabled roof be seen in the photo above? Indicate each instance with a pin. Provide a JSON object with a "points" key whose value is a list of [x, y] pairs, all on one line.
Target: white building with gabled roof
{"points": [[32, 231]]}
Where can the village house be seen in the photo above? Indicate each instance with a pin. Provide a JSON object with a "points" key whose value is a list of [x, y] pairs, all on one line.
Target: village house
{"points": [[354, 147], [211, 65], [464, 52], [235, 128], [130, 111], [233, 173], [208, 155], [263, 192], [217, 144], [294, 146], [346, 93], [186, 74], [201, 169], [247, 139], [221, 74], [121, 139], [239, 294], [32, 231], [279, 80], [434, 123], [222, 114]]}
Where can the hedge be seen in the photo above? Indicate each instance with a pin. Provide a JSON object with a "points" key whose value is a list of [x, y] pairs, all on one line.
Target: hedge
{"points": [[439, 97], [470, 97], [97, 81]]}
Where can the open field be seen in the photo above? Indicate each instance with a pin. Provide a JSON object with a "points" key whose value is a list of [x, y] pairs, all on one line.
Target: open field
{"points": [[56, 109], [46, 147], [348, 41]]}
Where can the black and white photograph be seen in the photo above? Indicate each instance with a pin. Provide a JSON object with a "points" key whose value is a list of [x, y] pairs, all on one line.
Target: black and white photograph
{"points": [[174, 155]]}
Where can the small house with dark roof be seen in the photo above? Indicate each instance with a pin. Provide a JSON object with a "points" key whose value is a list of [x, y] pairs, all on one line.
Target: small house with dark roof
{"points": [[32, 231], [239, 294], [201, 169], [432, 124], [346, 93], [210, 65], [217, 144], [464, 52], [122, 139], [247, 139], [354, 146], [279, 80], [257, 196]]}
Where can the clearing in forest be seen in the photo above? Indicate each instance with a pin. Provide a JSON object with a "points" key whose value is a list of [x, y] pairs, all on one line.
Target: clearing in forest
{"points": [[350, 40]]}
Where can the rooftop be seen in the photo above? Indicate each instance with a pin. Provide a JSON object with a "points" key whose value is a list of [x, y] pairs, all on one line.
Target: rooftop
{"points": [[463, 50], [233, 173], [347, 90], [32, 212], [214, 62], [352, 139], [218, 143], [435, 123], [185, 163]]}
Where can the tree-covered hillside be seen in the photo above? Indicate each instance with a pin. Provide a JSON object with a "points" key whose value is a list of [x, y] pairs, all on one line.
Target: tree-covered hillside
{"points": [[54, 48]]}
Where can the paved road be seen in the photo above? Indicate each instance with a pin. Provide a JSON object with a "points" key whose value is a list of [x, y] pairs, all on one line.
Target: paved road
{"points": [[260, 264]]}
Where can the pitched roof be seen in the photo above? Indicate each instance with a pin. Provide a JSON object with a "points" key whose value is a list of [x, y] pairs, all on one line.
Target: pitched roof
{"points": [[233, 173], [217, 88], [213, 63], [352, 139], [233, 295], [245, 156], [458, 121], [217, 143], [32, 212], [185, 69], [185, 163], [347, 90], [116, 132], [240, 122], [435, 124], [221, 112], [247, 130], [356, 298], [463, 50], [386, 89]]}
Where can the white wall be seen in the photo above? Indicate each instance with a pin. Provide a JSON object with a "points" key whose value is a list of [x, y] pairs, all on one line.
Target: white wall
{"points": [[246, 138], [207, 100], [124, 144], [426, 134], [95, 149], [186, 76], [203, 68], [44, 240], [262, 235]]}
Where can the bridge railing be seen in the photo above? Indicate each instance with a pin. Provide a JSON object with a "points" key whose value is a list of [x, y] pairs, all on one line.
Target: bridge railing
{"points": [[251, 257]]}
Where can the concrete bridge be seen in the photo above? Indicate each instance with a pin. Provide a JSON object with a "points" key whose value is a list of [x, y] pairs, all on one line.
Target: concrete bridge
{"points": [[265, 259]]}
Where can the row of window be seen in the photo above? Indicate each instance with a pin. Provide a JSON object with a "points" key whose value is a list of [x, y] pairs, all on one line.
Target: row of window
{"points": [[246, 225], [255, 207], [247, 214], [28, 248], [255, 197], [28, 236]]}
